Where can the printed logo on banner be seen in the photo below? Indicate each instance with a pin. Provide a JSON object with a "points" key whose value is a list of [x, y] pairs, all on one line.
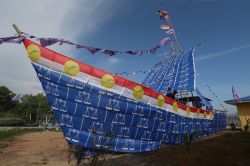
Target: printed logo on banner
{"points": [[51, 88], [59, 104], [66, 120], [39, 71], [162, 127], [55, 91], [183, 120], [165, 137], [124, 132], [146, 135], [63, 105], [177, 139], [129, 145], [185, 130], [138, 110], [113, 105], [96, 127], [191, 121], [158, 115], [175, 129], [80, 85], [119, 118], [150, 146], [172, 118], [47, 75], [47, 88], [83, 97], [90, 112], [143, 122], [198, 121], [192, 128], [70, 83], [103, 142], [72, 135]]}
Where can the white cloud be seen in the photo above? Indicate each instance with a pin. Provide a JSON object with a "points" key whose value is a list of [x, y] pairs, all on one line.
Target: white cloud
{"points": [[221, 53], [48, 18], [113, 60]]}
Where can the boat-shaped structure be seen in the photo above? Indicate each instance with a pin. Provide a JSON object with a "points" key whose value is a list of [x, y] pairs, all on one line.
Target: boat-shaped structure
{"points": [[98, 109]]}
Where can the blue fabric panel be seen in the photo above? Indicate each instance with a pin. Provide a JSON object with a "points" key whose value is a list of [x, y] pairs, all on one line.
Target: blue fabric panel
{"points": [[87, 113], [177, 71]]}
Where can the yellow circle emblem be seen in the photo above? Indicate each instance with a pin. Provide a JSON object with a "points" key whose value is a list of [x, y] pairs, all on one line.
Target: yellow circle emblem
{"points": [[71, 68], [34, 52], [205, 114], [211, 114], [138, 92], [107, 81], [188, 111], [160, 101], [175, 107], [198, 113]]}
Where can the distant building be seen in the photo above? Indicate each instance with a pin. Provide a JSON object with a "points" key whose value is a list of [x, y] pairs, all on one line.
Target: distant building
{"points": [[243, 108]]}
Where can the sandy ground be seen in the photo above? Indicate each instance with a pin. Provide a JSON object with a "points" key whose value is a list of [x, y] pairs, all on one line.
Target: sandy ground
{"points": [[50, 148], [47, 148], [40, 148]]}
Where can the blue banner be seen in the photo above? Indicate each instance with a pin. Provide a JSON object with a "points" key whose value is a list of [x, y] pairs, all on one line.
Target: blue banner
{"points": [[93, 117], [176, 71]]}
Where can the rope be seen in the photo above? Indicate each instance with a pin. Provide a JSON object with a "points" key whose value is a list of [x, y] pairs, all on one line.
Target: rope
{"points": [[210, 89]]}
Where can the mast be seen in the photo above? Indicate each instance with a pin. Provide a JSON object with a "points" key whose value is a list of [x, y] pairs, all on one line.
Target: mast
{"points": [[177, 48], [19, 33]]}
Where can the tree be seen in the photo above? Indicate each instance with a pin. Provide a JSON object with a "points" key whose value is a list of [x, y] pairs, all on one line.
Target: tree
{"points": [[5, 98], [33, 106]]}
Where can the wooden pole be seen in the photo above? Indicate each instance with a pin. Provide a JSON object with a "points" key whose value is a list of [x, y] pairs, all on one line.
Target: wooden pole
{"points": [[17, 29]]}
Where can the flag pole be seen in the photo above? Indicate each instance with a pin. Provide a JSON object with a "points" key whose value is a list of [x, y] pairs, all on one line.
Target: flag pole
{"points": [[17, 29], [175, 36]]}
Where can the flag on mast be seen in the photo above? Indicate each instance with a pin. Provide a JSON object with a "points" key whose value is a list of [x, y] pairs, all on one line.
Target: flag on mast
{"points": [[170, 31], [235, 94], [165, 27]]}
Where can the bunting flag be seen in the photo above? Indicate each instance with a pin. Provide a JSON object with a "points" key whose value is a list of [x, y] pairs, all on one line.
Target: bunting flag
{"points": [[235, 95], [170, 31], [163, 14], [50, 41], [89, 103], [109, 52], [16, 98], [165, 27], [12, 39]]}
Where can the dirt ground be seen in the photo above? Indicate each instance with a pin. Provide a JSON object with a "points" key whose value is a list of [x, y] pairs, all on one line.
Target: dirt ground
{"points": [[50, 148]]}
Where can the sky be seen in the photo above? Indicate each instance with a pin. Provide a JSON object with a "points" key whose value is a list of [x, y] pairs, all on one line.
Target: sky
{"points": [[221, 26]]}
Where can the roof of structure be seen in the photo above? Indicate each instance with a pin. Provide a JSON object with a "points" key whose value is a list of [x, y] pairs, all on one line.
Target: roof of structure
{"points": [[242, 100]]}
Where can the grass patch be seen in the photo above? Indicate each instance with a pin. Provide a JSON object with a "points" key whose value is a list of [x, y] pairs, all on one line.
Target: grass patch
{"points": [[8, 116], [7, 134]]}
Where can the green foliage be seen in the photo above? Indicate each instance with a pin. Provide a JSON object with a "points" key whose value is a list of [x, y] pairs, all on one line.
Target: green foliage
{"points": [[33, 106], [5, 99]]}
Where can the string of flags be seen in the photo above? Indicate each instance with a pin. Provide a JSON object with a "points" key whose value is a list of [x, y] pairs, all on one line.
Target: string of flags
{"points": [[210, 89], [167, 27], [110, 52], [12, 39], [50, 41], [235, 95]]}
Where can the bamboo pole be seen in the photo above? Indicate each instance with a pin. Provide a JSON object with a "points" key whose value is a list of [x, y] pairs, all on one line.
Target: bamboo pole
{"points": [[17, 29]]}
